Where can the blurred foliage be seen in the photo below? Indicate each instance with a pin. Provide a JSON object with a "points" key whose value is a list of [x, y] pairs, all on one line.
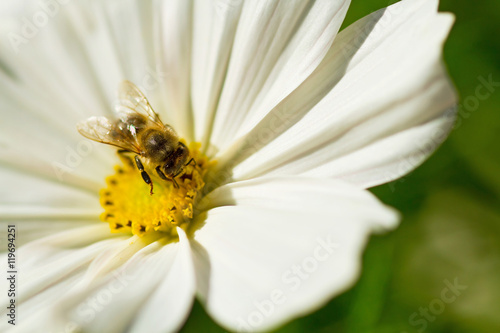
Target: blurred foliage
{"points": [[451, 214]]}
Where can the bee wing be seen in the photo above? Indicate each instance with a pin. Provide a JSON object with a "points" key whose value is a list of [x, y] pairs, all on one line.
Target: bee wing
{"points": [[131, 99], [100, 129]]}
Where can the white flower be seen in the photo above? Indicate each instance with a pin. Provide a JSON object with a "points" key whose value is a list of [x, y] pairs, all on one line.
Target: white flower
{"points": [[300, 119]]}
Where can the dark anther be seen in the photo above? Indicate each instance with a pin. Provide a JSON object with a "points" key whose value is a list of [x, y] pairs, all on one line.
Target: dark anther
{"points": [[118, 226], [129, 223], [108, 203], [142, 228]]}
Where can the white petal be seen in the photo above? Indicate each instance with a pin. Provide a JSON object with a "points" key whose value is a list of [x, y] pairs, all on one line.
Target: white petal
{"points": [[41, 138], [390, 158], [260, 231], [38, 207], [38, 314], [152, 292], [382, 77], [214, 28], [49, 146], [59, 266], [130, 27], [67, 70], [54, 264], [78, 55], [48, 261], [47, 65], [169, 305], [57, 245], [63, 276], [62, 247], [121, 293], [174, 29], [113, 258], [277, 45], [20, 189], [33, 228]]}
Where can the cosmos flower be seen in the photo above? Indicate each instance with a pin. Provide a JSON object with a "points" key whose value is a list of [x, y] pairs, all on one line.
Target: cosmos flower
{"points": [[289, 122]]}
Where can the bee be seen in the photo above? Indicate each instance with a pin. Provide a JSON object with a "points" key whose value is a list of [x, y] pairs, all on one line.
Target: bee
{"points": [[138, 129]]}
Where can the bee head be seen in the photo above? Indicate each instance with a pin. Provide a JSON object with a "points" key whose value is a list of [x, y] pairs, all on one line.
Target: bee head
{"points": [[176, 161]]}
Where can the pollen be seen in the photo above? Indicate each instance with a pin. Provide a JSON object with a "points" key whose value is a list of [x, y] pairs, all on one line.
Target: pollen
{"points": [[129, 207]]}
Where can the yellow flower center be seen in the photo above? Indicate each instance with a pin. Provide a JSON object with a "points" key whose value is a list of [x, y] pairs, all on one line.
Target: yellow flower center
{"points": [[129, 207]]}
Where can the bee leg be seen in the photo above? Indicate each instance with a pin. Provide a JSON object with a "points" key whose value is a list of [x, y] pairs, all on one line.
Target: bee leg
{"points": [[191, 160], [125, 158], [162, 176], [160, 173], [144, 174]]}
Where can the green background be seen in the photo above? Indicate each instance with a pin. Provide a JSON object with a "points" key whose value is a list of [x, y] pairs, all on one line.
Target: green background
{"points": [[451, 213]]}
